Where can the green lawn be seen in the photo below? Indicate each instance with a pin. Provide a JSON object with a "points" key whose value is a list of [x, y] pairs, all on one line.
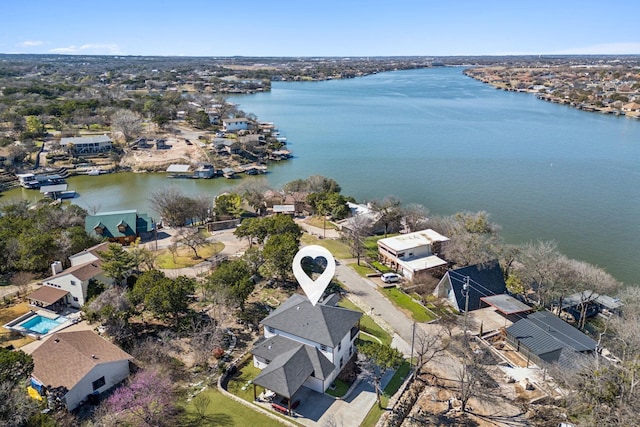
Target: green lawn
{"points": [[338, 249], [223, 411], [341, 388], [367, 324], [396, 381], [246, 373], [362, 269], [371, 245], [418, 312], [381, 267], [317, 221]]}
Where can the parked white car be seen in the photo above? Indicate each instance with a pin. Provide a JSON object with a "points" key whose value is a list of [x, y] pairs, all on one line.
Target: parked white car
{"points": [[390, 277]]}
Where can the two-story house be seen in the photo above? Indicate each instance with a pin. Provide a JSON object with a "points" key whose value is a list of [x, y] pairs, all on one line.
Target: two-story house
{"points": [[69, 287], [123, 227], [87, 144], [413, 254], [304, 345], [233, 125]]}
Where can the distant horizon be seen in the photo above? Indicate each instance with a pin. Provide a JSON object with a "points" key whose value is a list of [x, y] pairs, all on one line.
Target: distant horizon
{"points": [[327, 56], [284, 28]]}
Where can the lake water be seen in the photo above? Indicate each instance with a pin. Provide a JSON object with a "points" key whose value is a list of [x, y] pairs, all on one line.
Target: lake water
{"points": [[436, 137]]}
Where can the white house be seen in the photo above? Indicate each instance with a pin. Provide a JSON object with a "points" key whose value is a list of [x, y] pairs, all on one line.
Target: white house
{"points": [[74, 365], [304, 345], [232, 125], [73, 282], [87, 144], [413, 253]]}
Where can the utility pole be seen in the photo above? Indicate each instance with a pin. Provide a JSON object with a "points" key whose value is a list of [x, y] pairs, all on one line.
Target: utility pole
{"points": [[465, 291], [413, 337]]}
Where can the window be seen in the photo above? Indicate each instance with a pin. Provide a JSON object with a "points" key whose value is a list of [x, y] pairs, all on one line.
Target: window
{"points": [[270, 329], [339, 346], [323, 347], [73, 283], [98, 383], [341, 362], [75, 299]]}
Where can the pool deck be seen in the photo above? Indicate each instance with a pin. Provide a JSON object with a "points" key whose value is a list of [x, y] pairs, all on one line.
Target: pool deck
{"points": [[80, 326], [72, 316]]}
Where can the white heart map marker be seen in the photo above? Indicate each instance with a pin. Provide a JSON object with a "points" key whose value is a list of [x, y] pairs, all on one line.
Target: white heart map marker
{"points": [[314, 288]]}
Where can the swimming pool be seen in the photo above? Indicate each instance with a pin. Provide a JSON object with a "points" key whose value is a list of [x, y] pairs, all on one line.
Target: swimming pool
{"points": [[42, 325]]}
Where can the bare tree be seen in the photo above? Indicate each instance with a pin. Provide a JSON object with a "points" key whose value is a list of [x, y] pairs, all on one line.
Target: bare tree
{"points": [[201, 208], [539, 269], [414, 217], [201, 403], [127, 122], [204, 337], [356, 229], [173, 248], [253, 193], [430, 346], [474, 239], [389, 212], [191, 237], [172, 204]]}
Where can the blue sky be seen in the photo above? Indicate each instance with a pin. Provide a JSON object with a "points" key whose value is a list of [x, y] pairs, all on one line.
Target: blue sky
{"points": [[319, 28]]}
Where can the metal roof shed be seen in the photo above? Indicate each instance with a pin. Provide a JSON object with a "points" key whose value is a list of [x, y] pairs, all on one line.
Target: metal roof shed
{"points": [[506, 304]]}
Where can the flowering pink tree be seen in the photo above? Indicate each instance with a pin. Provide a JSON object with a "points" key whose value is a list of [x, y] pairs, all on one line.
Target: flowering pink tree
{"points": [[145, 401]]}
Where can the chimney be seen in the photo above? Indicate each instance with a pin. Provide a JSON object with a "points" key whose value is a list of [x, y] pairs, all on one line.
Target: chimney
{"points": [[56, 267], [93, 356]]}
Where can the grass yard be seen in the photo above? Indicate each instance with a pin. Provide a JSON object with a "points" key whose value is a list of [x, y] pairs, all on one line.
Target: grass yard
{"points": [[317, 221], [418, 312], [184, 258], [338, 249], [381, 267], [340, 389], [362, 269], [243, 380], [367, 324], [371, 245], [8, 337], [396, 381], [223, 411]]}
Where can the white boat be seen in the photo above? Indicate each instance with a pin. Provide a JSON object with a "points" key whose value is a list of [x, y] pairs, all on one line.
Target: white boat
{"points": [[94, 172]]}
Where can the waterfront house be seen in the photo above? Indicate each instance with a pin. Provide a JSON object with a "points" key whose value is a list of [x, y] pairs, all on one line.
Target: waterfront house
{"points": [[123, 227], [74, 367], [235, 124], [69, 287], [543, 337], [413, 254], [83, 145], [591, 303], [205, 170], [304, 345], [631, 107], [485, 280]]}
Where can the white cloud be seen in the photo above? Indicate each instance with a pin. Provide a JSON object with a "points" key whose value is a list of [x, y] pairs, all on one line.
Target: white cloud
{"points": [[31, 43], [89, 49], [603, 49]]}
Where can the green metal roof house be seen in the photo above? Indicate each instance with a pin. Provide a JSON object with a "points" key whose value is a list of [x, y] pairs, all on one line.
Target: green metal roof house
{"points": [[121, 226]]}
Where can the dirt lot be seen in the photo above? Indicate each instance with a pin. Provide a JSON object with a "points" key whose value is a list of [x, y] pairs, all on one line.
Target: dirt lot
{"points": [[177, 151]]}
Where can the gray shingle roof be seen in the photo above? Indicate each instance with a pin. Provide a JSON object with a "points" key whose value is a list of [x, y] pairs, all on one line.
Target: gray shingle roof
{"points": [[322, 324], [542, 333], [290, 369]]}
